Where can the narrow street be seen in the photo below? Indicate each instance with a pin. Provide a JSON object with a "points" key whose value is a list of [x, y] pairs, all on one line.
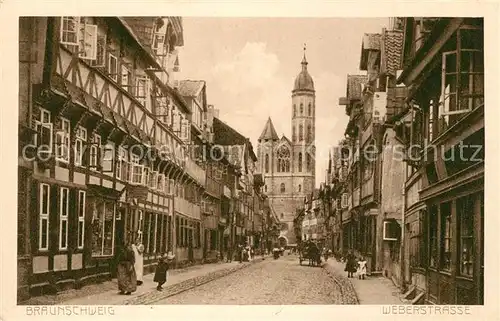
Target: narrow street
{"points": [[275, 282]]}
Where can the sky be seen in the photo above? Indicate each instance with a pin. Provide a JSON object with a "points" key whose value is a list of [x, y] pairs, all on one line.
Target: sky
{"points": [[250, 65]]}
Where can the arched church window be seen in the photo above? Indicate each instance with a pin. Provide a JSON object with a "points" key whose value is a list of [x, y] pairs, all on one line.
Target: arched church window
{"points": [[283, 159], [282, 187], [309, 134], [301, 133], [300, 188], [308, 162], [294, 110], [294, 137], [309, 109], [278, 168], [267, 163], [301, 108], [300, 162]]}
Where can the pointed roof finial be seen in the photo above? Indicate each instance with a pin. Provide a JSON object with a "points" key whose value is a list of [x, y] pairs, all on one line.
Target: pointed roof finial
{"points": [[304, 60]]}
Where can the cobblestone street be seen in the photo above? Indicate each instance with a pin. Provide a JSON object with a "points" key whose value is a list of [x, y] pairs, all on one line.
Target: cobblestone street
{"points": [[277, 282]]}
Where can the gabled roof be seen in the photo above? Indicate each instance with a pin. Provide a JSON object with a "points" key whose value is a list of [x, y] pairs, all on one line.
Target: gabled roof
{"points": [[269, 133], [285, 139], [191, 88], [225, 135]]}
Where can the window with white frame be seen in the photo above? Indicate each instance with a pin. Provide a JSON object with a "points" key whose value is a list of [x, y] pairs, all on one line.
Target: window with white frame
{"points": [[153, 179], [108, 158], [100, 60], [113, 67], [81, 219], [80, 36], [63, 218], [137, 176], [69, 30], [142, 86], [462, 77], [122, 165], [161, 182], [44, 212], [63, 141], [103, 227], [81, 139], [44, 128], [126, 77], [95, 149], [185, 129], [158, 43], [163, 110]]}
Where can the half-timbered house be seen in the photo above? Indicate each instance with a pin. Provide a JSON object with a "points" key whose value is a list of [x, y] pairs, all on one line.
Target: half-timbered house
{"points": [[444, 73], [103, 155]]}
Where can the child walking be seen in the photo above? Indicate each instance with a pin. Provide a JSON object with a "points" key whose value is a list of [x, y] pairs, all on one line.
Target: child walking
{"points": [[161, 271], [361, 268]]}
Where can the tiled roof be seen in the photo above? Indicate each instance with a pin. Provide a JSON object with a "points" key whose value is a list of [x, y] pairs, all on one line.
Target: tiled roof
{"points": [[393, 50], [269, 133], [190, 88], [143, 28], [354, 86]]}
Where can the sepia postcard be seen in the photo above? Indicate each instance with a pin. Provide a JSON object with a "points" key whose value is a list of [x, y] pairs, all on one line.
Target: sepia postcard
{"points": [[192, 161]]}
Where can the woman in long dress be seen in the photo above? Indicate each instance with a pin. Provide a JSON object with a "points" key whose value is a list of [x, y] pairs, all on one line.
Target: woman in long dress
{"points": [[351, 264], [138, 249], [127, 282]]}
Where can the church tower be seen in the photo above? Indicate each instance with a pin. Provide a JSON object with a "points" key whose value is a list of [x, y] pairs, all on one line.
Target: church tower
{"points": [[304, 130], [287, 165]]}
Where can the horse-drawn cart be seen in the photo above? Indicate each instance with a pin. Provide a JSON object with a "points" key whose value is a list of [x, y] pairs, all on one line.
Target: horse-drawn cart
{"points": [[311, 254]]}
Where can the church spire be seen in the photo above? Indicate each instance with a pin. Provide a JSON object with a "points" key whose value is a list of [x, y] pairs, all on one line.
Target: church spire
{"points": [[304, 60], [269, 133]]}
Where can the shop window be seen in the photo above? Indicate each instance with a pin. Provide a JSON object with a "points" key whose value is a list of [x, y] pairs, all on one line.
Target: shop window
{"points": [[44, 211], [445, 237], [433, 236], [465, 215], [103, 218], [63, 218]]}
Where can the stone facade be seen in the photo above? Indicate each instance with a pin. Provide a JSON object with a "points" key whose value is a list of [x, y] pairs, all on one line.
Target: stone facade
{"points": [[287, 165]]}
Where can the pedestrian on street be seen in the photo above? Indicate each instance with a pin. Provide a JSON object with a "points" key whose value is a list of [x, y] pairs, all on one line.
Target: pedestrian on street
{"points": [[127, 280], [138, 249], [361, 268], [162, 268], [351, 264]]}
